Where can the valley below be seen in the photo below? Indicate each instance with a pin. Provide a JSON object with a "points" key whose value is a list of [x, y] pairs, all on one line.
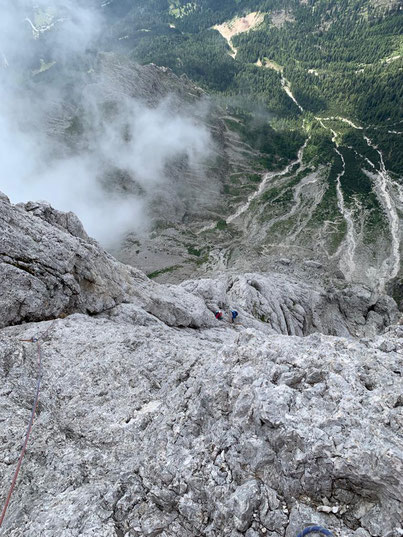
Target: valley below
{"points": [[201, 301], [155, 418], [304, 210]]}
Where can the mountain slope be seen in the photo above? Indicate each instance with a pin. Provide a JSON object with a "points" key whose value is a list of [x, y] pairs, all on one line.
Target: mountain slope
{"points": [[332, 72], [157, 419], [297, 138]]}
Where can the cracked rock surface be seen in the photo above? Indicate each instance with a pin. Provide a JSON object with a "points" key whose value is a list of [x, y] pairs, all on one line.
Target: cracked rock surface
{"points": [[157, 420], [149, 430], [50, 267], [282, 304]]}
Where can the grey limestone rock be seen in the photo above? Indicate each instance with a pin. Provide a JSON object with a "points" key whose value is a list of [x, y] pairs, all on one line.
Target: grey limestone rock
{"points": [[313, 264], [50, 267], [277, 303], [64, 221], [145, 429], [155, 419]]}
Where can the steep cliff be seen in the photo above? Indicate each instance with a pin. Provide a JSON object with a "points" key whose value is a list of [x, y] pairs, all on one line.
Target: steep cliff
{"points": [[156, 419]]}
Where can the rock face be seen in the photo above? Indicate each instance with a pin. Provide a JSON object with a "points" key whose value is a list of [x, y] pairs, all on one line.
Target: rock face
{"points": [[281, 304], [146, 430], [157, 420], [49, 267]]}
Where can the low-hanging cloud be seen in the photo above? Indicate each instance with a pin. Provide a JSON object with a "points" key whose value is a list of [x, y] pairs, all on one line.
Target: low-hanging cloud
{"points": [[69, 26], [136, 139]]}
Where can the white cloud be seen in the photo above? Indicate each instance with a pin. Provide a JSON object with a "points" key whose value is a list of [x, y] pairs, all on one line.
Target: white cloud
{"points": [[138, 140]]}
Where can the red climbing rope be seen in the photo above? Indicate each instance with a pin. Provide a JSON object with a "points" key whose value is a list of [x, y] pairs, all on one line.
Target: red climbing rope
{"points": [[31, 420]]}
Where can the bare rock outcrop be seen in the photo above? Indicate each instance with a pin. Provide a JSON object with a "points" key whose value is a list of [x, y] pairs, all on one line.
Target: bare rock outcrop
{"points": [[155, 419], [145, 430], [282, 304], [50, 267]]}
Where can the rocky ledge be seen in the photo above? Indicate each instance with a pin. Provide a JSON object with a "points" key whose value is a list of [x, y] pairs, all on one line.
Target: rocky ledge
{"points": [[157, 420]]}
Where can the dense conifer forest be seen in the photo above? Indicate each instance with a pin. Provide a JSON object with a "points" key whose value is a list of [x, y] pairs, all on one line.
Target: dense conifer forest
{"points": [[340, 57]]}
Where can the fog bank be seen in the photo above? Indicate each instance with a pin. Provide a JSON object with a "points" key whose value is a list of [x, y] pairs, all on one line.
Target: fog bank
{"points": [[135, 140]]}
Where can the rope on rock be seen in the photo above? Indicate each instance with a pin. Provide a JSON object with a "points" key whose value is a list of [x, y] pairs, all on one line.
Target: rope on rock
{"points": [[316, 529], [36, 340]]}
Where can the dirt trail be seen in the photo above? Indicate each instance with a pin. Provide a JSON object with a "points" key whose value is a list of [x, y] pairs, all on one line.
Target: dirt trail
{"points": [[238, 26]]}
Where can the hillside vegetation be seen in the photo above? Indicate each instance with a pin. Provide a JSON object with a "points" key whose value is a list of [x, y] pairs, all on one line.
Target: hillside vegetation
{"points": [[308, 92], [340, 56]]}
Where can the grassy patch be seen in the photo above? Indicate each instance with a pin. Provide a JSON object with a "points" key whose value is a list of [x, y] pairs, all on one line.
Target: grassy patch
{"points": [[157, 273], [254, 178], [236, 178], [201, 260], [194, 251], [222, 225], [178, 11]]}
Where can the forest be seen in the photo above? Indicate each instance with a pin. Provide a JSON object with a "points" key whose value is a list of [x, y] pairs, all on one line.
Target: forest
{"points": [[341, 57]]}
